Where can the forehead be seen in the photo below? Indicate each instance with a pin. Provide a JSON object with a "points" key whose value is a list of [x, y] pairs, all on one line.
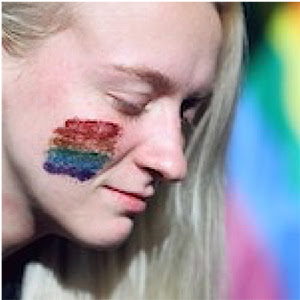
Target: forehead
{"points": [[180, 39]]}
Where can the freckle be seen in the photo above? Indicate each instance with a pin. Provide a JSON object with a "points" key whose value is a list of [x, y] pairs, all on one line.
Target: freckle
{"points": [[81, 148]]}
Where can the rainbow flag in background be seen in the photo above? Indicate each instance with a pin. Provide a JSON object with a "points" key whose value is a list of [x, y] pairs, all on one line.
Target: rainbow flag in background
{"points": [[263, 167]]}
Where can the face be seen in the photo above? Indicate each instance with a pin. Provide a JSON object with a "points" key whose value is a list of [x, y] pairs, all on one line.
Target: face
{"points": [[93, 116]]}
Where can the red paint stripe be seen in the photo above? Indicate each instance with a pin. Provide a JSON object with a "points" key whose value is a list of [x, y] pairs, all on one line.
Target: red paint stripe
{"points": [[89, 128], [86, 135]]}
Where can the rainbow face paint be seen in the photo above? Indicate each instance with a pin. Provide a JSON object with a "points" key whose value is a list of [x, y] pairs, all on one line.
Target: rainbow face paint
{"points": [[81, 148]]}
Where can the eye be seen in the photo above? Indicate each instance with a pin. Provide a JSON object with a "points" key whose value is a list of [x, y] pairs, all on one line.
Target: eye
{"points": [[126, 107], [192, 108], [188, 107]]}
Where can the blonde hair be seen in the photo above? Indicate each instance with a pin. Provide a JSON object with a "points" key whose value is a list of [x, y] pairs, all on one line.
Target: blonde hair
{"points": [[177, 248]]}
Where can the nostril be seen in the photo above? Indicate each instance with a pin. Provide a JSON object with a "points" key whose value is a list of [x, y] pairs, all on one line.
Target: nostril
{"points": [[156, 182], [156, 177]]}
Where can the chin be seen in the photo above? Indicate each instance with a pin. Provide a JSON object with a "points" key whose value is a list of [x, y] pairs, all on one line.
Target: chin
{"points": [[108, 236]]}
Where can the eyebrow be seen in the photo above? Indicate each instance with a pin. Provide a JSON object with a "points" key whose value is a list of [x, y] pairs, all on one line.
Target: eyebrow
{"points": [[160, 84]]}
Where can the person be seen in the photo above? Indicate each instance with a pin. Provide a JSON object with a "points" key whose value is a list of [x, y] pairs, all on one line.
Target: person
{"points": [[105, 104]]}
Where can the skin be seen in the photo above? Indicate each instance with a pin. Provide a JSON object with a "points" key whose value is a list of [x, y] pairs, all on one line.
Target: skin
{"points": [[77, 73]]}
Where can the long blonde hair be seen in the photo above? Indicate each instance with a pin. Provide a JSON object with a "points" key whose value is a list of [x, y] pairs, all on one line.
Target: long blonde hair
{"points": [[177, 248]]}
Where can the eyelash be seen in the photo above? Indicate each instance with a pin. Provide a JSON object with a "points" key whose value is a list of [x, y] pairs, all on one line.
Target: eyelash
{"points": [[126, 108], [132, 111]]}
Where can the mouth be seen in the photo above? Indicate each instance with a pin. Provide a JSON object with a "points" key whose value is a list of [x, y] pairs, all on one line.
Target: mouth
{"points": [[130, 203]]}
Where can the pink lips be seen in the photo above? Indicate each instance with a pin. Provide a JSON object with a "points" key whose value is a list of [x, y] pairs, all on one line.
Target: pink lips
{"points": [[131, 202]]}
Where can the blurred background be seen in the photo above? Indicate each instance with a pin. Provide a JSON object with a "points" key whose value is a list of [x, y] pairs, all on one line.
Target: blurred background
{"points": [[263, 164]]}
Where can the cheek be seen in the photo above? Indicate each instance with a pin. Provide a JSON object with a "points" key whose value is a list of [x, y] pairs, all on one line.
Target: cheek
{"points": [[81, 148]]}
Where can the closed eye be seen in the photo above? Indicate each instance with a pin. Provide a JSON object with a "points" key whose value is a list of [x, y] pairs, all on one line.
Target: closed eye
{"points": [[126, 107], [187, 104], [193, 107]]}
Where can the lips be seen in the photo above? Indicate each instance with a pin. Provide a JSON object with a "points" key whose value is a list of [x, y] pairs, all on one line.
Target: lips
{"points": [[130, 202]]}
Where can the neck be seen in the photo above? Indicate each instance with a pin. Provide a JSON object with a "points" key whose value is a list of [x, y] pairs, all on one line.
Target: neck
{"points": [[18, 224]]}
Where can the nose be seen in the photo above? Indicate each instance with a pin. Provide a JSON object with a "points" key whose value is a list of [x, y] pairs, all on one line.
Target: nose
{"points": [[162, 147]]}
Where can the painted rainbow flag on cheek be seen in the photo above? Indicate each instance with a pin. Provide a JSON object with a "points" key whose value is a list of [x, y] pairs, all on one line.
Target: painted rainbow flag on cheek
{"points": [[81, 148]]}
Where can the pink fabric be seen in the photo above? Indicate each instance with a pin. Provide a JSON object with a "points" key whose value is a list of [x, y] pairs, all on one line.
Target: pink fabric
{"points": [[252, 274]]}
